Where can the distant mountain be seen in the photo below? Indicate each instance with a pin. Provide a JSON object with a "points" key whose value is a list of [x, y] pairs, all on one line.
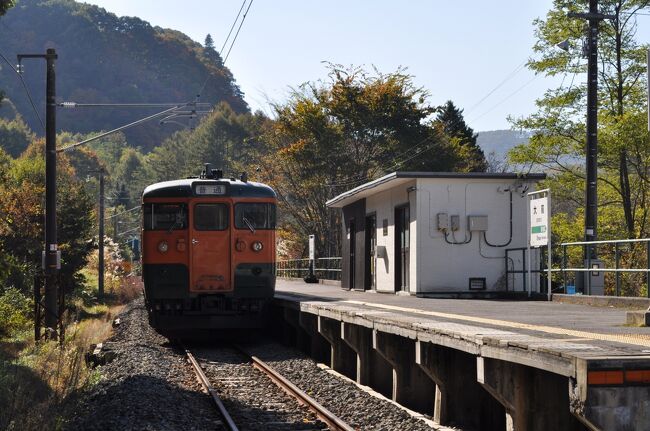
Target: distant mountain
{"points": [[500, 141], [108, 59]]}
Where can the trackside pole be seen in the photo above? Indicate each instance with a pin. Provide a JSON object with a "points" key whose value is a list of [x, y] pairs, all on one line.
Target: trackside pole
{"points": [[311, 277]]}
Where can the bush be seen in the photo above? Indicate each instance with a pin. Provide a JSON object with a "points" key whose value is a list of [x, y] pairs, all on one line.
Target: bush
{"points": [[15, 311]]}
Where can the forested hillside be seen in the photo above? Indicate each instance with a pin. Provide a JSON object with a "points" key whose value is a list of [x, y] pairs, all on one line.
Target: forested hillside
{"points": [[501, 141], [107, 59]]}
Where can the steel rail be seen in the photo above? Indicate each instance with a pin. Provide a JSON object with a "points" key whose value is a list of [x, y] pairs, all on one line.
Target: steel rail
{"points": [[208, 387], [333, 422]]}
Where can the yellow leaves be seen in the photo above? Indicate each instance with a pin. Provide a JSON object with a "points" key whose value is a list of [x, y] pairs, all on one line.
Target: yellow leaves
{"points": [[294, 148]]}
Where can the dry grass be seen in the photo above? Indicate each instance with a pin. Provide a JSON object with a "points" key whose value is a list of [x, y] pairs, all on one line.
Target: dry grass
{"points": [[37, 379]]}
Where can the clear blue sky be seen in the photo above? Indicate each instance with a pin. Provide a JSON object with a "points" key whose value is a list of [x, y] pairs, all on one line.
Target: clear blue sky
{"points": [[456, 50]]}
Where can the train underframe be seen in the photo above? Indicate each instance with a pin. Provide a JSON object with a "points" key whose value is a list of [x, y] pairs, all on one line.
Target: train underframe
{"points": [[175, 311]]}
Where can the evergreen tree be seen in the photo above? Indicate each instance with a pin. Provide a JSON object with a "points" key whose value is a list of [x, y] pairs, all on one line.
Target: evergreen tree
{"points": [[209, 43], [450, 118]]}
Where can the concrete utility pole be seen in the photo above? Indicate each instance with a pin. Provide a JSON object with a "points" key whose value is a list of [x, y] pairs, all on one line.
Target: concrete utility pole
{"points": [[591, 210], [51, 253], [100, 263]]}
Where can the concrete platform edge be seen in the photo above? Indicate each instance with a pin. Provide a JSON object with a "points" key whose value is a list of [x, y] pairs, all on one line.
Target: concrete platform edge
{"points": [[604, 301]]}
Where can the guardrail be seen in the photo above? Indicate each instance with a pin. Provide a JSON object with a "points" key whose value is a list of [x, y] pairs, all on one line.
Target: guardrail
{"points": [[326, 268], [620, 247]]}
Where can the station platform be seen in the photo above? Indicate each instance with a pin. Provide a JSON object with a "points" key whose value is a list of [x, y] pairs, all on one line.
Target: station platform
{"points": [[601, 365]]}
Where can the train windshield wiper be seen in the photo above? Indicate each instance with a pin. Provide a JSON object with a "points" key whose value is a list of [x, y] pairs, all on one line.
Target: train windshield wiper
{"points": [[173, 226], [248, 223], [178, 222]]}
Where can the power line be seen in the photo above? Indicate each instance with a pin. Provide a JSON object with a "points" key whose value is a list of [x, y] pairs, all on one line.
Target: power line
{"points": [[385, 166], [29, 96], [237, 34], [126, 126], [505, 98], [232, 27], [499, 85], [124, 212], [224, 46]]}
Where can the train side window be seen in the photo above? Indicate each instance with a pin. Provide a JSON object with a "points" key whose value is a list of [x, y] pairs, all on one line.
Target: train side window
{"points": [[165, 216], [211, 216], [258, 215]]}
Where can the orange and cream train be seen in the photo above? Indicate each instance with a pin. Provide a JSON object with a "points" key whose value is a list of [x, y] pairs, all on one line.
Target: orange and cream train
{"points": [[208, 253]]}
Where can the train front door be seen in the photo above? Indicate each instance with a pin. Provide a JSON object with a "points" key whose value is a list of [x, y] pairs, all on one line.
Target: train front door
{"points": [[210, 247]]}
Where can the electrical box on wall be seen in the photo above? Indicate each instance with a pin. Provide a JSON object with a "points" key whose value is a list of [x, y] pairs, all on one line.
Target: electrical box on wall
{"points": [[454, 222], [477, 223], [443, 221]]}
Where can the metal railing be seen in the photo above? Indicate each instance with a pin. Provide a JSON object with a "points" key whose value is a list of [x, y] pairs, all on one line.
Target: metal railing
{"points": [[510, 262], [590, 246], [326, 268]]}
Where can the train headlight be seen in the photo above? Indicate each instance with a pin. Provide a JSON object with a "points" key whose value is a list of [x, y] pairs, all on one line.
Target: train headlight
{"points": [[163, 246], [257, 246]]}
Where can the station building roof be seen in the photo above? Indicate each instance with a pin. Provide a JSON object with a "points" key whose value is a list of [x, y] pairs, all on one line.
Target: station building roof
{"points": [[396, 178]]}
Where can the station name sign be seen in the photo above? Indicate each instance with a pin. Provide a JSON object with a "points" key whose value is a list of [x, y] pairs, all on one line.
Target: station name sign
{"points": [[539, 222]]}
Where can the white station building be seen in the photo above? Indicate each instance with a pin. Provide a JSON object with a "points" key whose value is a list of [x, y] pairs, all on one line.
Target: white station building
{"points": [[437, 234]]}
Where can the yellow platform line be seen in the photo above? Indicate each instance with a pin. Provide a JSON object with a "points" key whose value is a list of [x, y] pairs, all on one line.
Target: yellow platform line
{"points": [[635, 339]]}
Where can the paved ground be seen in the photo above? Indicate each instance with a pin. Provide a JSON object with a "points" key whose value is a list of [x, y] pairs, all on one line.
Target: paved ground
{"points": [[596, 326]]}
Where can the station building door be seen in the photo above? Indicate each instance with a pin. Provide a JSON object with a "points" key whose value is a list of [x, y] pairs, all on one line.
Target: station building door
{"points": [[402, 245], [352, 233], [370, 258]]}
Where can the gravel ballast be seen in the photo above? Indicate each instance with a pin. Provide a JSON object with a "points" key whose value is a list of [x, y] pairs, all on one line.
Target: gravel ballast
{"points": [[343, 398], [146, 386], [250, 396]]}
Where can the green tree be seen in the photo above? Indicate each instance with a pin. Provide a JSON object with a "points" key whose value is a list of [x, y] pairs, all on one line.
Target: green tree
{"points": [[557, 143], [15, 136], [453, 124], [5, 5], [125, 175]]}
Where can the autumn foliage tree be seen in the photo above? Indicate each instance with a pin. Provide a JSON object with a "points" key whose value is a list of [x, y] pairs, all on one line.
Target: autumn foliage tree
{"points": [[334, 135], [21, 219]]}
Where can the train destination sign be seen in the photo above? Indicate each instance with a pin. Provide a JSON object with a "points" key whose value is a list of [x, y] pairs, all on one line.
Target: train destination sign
{"points": [[539, 222], [210, 189]]}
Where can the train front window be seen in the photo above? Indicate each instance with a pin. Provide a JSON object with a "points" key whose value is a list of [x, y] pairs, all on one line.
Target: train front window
{"points": [[165, 216], [211, 216], [255, 216]]}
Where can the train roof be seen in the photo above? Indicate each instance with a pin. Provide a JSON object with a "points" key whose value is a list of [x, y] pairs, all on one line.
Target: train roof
{"points": [[187, 188]]}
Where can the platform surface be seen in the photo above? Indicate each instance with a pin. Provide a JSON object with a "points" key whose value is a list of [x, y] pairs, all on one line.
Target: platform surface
{"points": [[539, 328]]}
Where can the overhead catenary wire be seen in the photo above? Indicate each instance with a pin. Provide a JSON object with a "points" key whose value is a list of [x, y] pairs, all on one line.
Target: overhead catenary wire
{"points": [[126, 126], [29, 96], [238, 29], [225, 42]]}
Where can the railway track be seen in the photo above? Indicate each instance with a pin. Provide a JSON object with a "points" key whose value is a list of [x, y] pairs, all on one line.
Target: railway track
{"points": [[251, 395]]}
